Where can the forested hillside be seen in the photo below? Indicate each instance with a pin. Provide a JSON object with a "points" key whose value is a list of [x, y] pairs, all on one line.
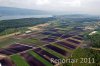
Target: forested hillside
{"points": [[95, 40], [17, 23]]}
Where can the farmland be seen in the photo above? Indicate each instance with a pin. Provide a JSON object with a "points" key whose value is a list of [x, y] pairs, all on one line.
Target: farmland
{"points": [[51, 38]]}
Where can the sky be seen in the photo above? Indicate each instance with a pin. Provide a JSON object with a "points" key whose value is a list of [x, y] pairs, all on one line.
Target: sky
{"points": [[69, 6]]}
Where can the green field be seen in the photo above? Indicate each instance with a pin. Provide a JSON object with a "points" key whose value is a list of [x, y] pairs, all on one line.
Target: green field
{"points": [[19, 61], [7, 41], [40, 58]]}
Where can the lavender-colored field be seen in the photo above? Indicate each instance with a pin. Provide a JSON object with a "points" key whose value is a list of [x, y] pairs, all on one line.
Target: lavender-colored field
{"points": [[37, 49], [14, 49], [78, 38], [66, 45], [57, 34], [31, 60], [45, 54], [66, 36], [5, 62], [21, 48], [11, 50], [56, 49], [46, 33], [48, 39], [5, 52], [73, 41]]}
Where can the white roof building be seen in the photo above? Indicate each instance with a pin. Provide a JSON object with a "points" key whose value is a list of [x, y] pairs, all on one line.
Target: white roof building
{"points": [[93, 32]]}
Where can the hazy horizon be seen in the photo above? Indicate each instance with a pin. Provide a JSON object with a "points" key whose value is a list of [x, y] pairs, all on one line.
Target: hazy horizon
{"points": [[62, 6]]}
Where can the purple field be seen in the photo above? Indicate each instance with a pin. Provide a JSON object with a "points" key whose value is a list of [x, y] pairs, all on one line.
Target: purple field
{"points": [[57, 35], [66, 45], [5, 52], [14, 49], [73, 41], [56, 49], [5, 62], [45, 54], [31, 60], [46, 33], [48, 39], [78, 38], [66, 36]]}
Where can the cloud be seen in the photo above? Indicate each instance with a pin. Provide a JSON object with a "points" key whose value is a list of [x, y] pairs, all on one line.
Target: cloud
{"points": [[86, 6], [42, 2], [74, 3]]}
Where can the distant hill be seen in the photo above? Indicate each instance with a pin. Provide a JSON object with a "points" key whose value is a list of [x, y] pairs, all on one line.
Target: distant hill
{"points": [[6, 11], [78, 16]]}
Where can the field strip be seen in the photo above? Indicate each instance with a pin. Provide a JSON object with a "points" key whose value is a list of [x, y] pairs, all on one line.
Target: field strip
{"points": [[19, 61], [9, 35], [40, 58]]}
